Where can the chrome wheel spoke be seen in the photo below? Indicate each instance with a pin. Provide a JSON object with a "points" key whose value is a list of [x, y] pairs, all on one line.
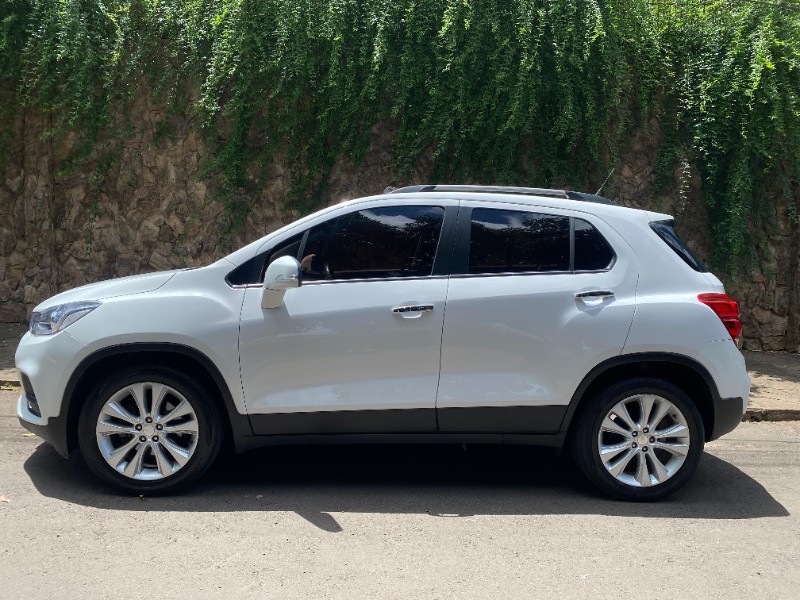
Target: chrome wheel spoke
{"points": [[618, 467], [662, 408], [659, 471], [183, 427], [117, 411], [181, 410], [137, 392], [646, 402], [613, 427], [676, 448], [678, 430], [608, 453], [621, 410], [116, 456], [134, 466], [163, 462], [159, 393], [181, 455], [642, 472], [108, 428]]}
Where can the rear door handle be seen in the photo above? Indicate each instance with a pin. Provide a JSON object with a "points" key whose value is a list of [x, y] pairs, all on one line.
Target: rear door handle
{"points": [[418, 308], [594, 295]]}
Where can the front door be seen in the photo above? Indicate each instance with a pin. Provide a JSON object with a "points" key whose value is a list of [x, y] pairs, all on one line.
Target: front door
{"points": [[356, 348]]}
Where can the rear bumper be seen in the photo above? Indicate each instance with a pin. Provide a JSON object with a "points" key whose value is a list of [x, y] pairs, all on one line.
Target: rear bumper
{"points": [[52, 430], [728, 372], [728, 413]]}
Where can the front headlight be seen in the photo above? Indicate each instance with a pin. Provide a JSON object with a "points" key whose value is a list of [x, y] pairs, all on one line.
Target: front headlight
{"points": [[56, 318]]}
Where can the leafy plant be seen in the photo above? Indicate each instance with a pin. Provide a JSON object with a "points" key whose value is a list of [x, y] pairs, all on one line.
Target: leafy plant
{"points": [[541, 92]]}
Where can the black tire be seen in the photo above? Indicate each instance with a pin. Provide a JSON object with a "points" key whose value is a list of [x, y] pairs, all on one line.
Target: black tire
{"points": [[585, 447], [209, 436]]}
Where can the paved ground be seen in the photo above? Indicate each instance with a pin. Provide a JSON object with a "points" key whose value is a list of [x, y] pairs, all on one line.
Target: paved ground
{"points": [[775, 385], [388, 522]]}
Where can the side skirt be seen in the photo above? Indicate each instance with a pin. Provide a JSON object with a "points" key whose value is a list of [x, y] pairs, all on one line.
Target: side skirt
{"points": [[479, 419], [554, 440], [502, 419], [415, 420]]}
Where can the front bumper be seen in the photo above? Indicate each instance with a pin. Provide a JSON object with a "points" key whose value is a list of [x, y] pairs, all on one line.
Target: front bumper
{"points": [[48, 362], [52, 430], [45, 364]]}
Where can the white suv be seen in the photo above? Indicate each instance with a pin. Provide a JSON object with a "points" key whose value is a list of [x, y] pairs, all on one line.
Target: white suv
{"points": [[434, 313]]}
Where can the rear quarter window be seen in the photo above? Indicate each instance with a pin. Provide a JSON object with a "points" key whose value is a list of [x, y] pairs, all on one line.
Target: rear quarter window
{"points": [[667, 234], [592, 251]]}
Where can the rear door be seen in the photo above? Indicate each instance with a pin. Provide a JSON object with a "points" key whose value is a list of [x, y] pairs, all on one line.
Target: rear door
{"points": [[536, 299]]}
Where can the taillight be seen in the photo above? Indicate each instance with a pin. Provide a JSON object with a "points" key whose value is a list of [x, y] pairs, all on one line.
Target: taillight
{"points": [[727, 310]]}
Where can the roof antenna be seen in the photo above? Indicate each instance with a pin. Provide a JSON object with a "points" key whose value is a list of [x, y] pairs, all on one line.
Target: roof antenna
{"points": [[597, 193]]}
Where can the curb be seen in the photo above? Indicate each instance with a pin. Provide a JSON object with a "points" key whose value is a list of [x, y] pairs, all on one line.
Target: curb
{"points": [[753, 415]]}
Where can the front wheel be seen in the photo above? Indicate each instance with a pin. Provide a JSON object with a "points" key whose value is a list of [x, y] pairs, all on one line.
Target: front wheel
{"points": [[640, 439], [149, 430]]}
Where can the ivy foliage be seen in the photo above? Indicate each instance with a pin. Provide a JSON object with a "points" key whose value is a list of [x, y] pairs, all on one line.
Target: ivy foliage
{"points": [[735, 85], [526, 92]]}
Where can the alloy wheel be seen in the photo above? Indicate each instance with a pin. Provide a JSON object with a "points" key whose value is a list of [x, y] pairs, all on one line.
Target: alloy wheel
{"points": [[643, 440], [147, 431]]}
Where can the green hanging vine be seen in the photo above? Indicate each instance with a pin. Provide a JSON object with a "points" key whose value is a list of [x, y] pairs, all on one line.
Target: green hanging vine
{"points": [[539, 92]]}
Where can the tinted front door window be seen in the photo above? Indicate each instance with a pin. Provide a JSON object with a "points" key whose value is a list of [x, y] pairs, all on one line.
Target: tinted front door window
{"points": [[397, 241]]}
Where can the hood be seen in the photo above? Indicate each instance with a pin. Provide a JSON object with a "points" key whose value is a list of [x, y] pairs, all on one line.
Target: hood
{"points": [[135, 284]]}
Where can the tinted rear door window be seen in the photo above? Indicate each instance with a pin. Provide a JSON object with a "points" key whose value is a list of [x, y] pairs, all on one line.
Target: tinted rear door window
{"points": [[504, 241]]}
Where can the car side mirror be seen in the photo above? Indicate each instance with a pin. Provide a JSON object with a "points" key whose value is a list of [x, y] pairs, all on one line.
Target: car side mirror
{"points": [[282, 274]]}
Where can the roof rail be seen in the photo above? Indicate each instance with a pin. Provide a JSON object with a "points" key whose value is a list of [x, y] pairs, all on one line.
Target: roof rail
{"points": [[498, 189]]}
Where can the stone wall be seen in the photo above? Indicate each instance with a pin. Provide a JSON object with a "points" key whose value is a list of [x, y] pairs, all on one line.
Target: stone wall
{"points": [[150, 210]]}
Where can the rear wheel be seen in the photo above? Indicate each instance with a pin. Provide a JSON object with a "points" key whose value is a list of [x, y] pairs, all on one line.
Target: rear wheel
{"points": [[640, 439], [149, 430]]}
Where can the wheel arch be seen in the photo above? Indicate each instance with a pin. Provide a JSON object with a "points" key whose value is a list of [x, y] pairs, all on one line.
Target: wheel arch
{"points": [[683, 371], [186, 359]]}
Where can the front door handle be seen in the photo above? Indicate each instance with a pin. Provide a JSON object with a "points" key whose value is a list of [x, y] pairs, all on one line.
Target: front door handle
{"points": [[594, 295], [415, 308]]}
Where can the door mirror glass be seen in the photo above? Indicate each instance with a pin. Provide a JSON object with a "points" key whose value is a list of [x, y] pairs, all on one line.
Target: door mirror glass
{"points": [[282, 274]]}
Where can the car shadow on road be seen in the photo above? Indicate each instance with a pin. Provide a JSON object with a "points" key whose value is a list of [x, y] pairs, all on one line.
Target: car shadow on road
{"points": [[442, 481]]}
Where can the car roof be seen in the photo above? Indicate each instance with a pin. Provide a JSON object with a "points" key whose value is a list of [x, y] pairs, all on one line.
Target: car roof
{"points": [[512, 190], [545, 198]]}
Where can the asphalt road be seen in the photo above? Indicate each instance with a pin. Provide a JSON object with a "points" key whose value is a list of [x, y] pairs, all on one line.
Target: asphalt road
{"points": [[393, 522]]}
